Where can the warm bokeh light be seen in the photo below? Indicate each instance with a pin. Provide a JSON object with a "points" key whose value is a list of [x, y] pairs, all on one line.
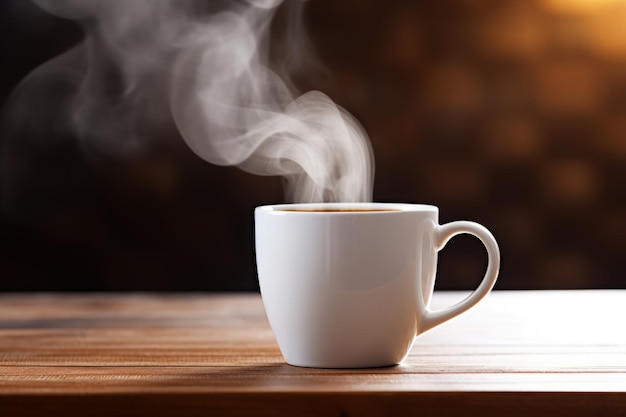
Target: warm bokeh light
{"points": [[511, 113], [579, 6]]}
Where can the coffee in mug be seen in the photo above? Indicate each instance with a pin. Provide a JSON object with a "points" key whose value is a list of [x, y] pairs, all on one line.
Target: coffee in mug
{"points": [[349, 285]]}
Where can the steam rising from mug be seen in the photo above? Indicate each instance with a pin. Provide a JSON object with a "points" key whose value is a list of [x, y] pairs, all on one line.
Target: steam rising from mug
{"points": [[210, 62]]}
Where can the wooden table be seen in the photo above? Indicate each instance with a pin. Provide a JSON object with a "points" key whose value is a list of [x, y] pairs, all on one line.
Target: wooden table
{"points": [[517, 353]]}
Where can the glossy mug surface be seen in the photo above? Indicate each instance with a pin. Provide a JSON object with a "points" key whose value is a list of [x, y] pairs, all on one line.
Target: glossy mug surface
{"points": [[349, 285]]}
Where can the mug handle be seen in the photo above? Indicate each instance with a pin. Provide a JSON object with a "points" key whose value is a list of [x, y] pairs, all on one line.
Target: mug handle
{"points": [[442, 234]]}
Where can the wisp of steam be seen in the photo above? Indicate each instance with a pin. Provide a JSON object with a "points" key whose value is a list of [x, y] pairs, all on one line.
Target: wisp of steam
{"points": [[207, 64]]}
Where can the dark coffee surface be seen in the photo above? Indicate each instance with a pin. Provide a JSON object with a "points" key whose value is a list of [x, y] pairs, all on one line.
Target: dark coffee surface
{"points": [[342, 210]]}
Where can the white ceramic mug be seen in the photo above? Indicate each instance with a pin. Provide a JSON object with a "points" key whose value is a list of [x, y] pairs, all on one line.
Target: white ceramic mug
{"points": [[351, 289]]}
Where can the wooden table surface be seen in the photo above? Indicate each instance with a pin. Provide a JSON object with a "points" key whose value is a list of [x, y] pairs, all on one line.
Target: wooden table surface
{"points": [[516, 353]]}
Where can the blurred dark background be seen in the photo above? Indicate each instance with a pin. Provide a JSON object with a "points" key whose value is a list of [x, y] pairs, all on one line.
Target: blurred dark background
{"points": [[511, 113]]}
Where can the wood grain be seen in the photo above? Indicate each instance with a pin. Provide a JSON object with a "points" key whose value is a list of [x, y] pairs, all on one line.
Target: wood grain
{"points": [[536, 352]]}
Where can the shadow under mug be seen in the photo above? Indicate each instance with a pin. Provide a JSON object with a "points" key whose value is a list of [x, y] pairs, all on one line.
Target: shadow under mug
{"points": [[348, 285]]}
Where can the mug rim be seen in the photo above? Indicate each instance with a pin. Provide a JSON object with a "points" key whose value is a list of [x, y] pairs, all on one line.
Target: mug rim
{"points": [[387, 208]]}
